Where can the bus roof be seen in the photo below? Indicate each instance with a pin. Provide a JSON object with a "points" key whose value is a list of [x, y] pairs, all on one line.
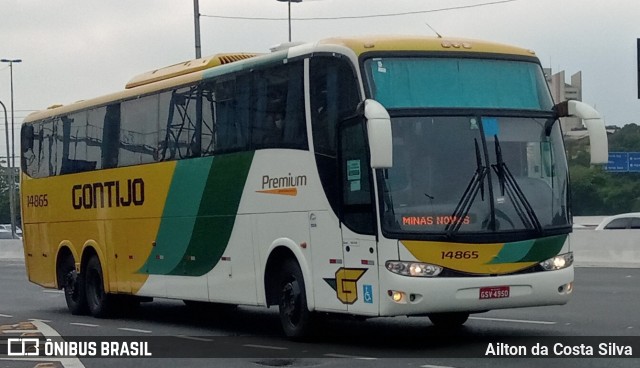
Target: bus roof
{"points": [[192, 70], [364, 44]]}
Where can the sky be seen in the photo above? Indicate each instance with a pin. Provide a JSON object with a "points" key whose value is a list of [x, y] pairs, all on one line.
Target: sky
{"points": [[78, 49]]}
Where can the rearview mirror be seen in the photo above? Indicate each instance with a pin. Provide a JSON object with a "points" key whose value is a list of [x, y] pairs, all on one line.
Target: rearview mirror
{"points": [[592, 120], [379, 134]]}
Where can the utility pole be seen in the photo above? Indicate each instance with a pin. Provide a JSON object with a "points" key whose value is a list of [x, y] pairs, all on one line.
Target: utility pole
{"points": [[196, 23], [11, 159], [10, 179]]}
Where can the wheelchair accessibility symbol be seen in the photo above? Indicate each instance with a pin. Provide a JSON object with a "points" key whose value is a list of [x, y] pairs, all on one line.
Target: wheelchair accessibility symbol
{"points": [[367, 291]]}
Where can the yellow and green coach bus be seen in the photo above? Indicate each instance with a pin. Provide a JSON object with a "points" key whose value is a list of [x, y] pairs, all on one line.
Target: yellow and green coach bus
{"points": [[375, 176]]}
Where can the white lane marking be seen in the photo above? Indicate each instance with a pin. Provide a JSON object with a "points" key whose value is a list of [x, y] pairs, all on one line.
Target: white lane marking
{"points": [[83, 324], [434, 366], [265, 347], [513, 320], [334, 355], [40, 320], [53, 291], [48, 331], [6, 316], [133, 330], [194, 338], [19, 331]]}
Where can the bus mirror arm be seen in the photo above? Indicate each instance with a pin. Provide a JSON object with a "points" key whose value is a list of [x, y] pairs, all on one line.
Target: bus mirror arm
{"points": [[379, 134], [594, 123]]}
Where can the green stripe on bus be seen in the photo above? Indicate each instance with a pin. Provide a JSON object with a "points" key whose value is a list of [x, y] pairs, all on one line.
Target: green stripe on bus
{"points": [[216, 215], [545, 248], [513, 252], [179, 215], [530, 250]]}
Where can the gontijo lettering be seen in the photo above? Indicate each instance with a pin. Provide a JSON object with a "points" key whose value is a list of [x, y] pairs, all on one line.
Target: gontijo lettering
{"points": [[108, 194]]}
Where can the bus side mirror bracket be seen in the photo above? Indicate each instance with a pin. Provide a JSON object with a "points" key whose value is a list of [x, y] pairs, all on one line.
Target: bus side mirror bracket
{"points": [[594, 123], [379, 134]]}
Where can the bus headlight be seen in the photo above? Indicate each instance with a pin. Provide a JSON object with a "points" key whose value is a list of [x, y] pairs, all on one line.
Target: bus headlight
{"points": [[558, 262], [415, 269]]}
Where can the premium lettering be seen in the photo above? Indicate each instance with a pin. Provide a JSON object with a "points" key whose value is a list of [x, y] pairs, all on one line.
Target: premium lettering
{"points": [[108, 194], [283, 181]]}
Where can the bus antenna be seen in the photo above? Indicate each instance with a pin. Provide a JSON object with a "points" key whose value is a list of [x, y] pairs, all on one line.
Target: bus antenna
{"points": [[434, 31]]}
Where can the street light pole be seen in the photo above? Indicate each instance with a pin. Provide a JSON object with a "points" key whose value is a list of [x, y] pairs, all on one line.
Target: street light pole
{"points": [[289, 4], [13, 126], [11, 159], [10, 180]]}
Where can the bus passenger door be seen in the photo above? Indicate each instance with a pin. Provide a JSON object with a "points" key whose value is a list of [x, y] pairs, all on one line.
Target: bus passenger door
{"points": [[358, 283]]}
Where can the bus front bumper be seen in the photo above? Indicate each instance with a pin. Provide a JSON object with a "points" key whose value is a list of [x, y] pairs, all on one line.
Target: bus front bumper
{"points": [[403, 295]]}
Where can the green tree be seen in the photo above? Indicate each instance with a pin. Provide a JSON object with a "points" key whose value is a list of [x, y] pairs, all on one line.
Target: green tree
{"points": [[598, 192]]}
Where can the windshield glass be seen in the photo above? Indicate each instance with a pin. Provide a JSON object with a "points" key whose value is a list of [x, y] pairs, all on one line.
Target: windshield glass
{"points": [[430, 82], [451, 175]]}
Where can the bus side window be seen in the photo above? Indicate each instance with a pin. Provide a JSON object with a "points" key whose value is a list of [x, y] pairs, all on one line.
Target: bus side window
{"points": [[295, 127], [178, 125], [279, 104], [224, 92], [208, 131], [26, 145], [109, 119]]}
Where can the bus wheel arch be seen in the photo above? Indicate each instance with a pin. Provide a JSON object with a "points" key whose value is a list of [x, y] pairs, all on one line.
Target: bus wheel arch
{"points": [[70, 281], [278, 255]]}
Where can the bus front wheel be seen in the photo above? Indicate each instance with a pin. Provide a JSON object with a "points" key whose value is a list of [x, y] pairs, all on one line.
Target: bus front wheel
{"points": [[451, 319], [98, 301], [295, 317]]}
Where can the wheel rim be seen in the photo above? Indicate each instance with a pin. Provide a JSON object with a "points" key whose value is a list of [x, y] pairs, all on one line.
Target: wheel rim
{"points": [[291, 304], [70, 285]]}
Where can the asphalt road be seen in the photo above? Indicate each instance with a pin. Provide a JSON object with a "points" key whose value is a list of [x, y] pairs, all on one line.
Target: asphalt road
{"points": [[603, 310]]}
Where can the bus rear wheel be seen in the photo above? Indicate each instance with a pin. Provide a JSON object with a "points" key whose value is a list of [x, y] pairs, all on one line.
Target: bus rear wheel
{"points": [[451, 319], [295, 317], [98, 301]]}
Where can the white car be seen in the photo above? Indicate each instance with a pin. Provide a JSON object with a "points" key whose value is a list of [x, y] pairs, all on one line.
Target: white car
{"points": [[619, 222], [7, 228]]}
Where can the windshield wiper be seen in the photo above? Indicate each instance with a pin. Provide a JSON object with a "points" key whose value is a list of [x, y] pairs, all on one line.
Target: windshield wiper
{"points": [[468, 197], [509, 185]]}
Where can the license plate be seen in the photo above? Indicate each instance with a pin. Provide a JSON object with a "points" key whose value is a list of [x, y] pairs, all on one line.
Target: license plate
{"points": [[494, 292]]}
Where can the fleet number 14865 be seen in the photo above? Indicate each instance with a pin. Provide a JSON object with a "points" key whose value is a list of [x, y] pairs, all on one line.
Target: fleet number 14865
{"points": [[459, 254], [37, 200]]}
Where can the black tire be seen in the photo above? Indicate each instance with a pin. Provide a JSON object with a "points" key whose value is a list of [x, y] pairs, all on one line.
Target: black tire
{"points": [[451, 319], [73, 286], [99, 302], [295, 318]]}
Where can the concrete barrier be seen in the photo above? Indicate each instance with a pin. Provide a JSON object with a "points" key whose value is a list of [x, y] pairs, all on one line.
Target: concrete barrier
{"points": [[11, 249], [606, 248]]}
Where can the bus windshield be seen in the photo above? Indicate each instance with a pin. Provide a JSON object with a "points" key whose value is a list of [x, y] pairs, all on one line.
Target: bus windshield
{"points": [[468, 156], [428, 82]]}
